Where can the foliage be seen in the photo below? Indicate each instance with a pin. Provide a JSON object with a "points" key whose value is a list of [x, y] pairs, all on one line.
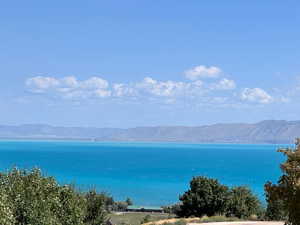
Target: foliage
{"points": [[129, 201], [172, 209], [28, 198], [205, 197], [146, 219], [120, 206], [96, 208], [208, 197], [6, 210], [243, 203], [275, 210], [284, 197]]}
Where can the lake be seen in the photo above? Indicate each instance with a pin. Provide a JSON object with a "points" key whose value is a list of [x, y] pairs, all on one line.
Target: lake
{"points": [[148, 173]]}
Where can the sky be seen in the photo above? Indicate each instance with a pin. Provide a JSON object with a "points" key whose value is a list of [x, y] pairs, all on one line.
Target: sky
{"points": [[148, 62]]}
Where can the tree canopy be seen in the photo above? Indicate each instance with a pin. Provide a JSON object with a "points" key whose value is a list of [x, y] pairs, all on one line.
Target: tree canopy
{"points": [[28, 197], [284, 197], [207, 196]]}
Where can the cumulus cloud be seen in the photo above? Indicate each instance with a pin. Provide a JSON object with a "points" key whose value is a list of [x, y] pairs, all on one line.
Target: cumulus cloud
{"points": [[256, 95], [40, 84], [200, 72], [162, 88], [224, 84], [69, 87], [124, 90], [219, 91]]}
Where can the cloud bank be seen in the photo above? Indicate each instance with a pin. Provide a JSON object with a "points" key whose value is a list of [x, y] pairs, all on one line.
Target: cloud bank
{"points": [[196, 88]]}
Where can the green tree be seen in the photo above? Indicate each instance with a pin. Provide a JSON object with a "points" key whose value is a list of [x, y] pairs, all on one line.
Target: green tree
{"points": [[96, 208], [129, 201], [146, 219], [29, 198], [34, 197], [243, 203], [275, 210], [6, 210], [205, 197], [286, 193]]}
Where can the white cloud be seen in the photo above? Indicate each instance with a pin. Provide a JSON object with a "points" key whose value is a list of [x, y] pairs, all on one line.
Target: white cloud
{"points": [[224, 84], [202, 71], [162, 88], [39, 83], [123, 90], [195, 92], [94, 83], [256, 95], [70, 87]]}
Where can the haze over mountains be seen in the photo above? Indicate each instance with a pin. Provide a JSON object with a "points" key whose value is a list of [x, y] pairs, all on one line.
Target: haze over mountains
{"points": [[269, 131]]}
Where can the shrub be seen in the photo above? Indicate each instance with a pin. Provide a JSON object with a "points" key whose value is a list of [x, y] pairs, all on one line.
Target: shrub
{"points": [[146, 219], [129, 201], [28, 198], [96, 208], [6, 210], [205, 197], [284, 197], [243, 203], [208, 197], [172, 209], [275, 209]]}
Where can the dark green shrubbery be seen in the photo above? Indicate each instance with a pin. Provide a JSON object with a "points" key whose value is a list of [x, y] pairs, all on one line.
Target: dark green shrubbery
{"points": [[284, 197], [27, 197], [205, 197], [243, 203], [208, 197]]}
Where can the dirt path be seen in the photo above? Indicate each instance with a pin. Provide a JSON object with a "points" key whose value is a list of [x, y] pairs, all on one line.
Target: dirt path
{"points": [[241, 223]]}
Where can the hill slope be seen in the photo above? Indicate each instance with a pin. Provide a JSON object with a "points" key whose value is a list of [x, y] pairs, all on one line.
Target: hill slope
{"points": [[271, 131]]}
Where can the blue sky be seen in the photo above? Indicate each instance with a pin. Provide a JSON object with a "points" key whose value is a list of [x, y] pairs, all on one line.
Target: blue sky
{"points": [[147, 63]]}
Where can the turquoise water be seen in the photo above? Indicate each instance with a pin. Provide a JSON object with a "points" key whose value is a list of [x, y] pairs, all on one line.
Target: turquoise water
{"points": [[150, 174]]}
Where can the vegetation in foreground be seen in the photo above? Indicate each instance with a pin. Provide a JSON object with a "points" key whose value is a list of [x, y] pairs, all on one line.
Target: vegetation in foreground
{"points": [[207, 197], [284, 197], [28, 198]]}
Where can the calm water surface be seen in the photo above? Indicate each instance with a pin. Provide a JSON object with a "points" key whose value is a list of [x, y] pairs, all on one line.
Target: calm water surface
{"points": [[150, 174]]}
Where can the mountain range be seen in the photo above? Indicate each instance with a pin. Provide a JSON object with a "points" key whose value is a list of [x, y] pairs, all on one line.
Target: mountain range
{"points": [[269, 131]]}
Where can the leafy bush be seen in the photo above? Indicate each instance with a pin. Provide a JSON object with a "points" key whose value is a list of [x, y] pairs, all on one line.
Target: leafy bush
{"points": [[208, 197], [172, 209], [275, 210], [205, 197], [242, 203], [28, 198], [129, 201], [120, 206], [96, 208], [146, 219], [284, 197], [6, 210]]}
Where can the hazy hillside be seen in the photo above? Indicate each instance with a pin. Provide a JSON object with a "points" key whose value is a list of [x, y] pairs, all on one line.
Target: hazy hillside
{"points": [[272, 131]]}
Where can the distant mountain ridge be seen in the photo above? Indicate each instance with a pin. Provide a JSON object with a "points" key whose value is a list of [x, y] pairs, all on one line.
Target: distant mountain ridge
{"points": [[269, 131]]}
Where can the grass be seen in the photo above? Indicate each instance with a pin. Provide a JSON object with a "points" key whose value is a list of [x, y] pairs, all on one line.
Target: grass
{"points": [[136, 218]]}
